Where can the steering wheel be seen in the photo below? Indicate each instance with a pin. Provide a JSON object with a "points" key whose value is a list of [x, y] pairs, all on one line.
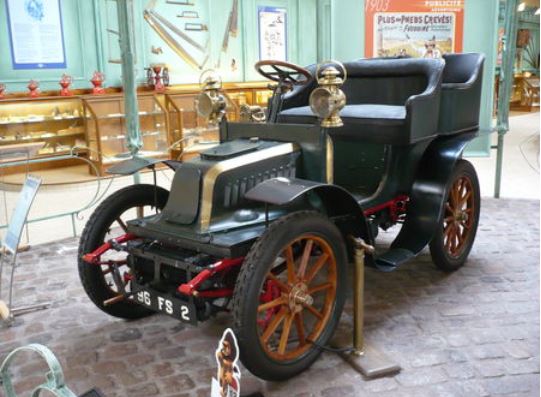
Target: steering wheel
{"points": [[283, 72]]}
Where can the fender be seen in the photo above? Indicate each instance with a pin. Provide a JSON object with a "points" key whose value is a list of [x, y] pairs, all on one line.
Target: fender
{"points": [[338, 202], [427, 199], [135, 164]]}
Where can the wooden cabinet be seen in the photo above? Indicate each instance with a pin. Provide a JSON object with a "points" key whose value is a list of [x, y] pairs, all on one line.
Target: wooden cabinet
{"points": [[96, 124], [47, 127], [106, 128]]}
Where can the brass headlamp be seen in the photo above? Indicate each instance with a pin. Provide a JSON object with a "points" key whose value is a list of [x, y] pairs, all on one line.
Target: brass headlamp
{"points": [[328, 99], [211, 103], [252, 114]]}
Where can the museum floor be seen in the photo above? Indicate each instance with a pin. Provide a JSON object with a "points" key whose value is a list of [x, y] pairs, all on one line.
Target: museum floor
{"points": [[471, 333]]}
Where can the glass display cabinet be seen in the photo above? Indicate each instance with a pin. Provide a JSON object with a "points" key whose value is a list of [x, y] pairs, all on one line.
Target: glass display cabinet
{"points": [[106, 128], [47, 127], [189, 133]]}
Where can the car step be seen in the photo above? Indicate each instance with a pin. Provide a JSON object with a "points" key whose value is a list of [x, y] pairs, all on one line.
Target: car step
{"points": [[393, 258]]}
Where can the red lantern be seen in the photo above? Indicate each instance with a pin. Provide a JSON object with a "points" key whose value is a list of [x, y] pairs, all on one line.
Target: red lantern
{"points": [[33, 86], [158, 84], [97, 81], [65, 82]]}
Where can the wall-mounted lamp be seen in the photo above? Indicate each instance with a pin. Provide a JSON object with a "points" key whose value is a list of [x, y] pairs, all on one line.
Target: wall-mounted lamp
{"points": [[521, 7], [538, 11]]}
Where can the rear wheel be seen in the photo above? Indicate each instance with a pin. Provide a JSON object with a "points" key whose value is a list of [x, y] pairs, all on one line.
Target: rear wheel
{"points": [[452, 243], [109, 220], [289, 295]]}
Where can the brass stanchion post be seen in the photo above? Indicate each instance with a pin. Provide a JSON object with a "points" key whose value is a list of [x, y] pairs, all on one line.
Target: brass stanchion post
{"points": [[364, 358]]}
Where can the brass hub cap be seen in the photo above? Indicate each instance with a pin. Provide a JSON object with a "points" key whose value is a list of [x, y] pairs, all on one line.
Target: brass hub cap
{"points": [[297, 298], [459, 216]]}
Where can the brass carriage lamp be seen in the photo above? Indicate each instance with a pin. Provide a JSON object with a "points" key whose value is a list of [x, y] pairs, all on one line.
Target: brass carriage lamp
{"points": [[328, 99], [210, 103]]}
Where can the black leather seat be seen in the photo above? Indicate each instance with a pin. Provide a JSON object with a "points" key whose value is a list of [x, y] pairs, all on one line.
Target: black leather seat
{"points": [[391, 118], [461, 93], [390, 101]]}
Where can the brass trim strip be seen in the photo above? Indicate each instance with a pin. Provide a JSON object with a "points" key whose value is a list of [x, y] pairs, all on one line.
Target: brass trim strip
{"points": [[215, 171], [330, 160]]}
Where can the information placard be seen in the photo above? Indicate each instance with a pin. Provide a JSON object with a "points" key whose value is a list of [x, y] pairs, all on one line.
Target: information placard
{"points": [[273, 33], [36, 34], [20, 213]]}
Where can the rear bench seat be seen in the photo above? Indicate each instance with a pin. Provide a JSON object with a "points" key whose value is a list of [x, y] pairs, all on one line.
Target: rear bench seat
{"points": [[390, 101]]}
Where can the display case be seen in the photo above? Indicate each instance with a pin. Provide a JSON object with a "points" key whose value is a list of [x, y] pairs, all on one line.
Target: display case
{"points": [[189, 134], [106, 128], [50, 126]]}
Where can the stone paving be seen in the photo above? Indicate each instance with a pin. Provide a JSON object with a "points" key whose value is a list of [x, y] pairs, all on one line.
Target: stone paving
{"points": [[471, 333]]}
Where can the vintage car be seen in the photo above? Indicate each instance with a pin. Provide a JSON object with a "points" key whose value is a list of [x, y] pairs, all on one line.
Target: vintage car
{"points": [[265, 224]]}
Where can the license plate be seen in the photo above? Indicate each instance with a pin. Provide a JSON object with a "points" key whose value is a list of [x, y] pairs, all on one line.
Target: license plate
{"points": [[165, 303]]}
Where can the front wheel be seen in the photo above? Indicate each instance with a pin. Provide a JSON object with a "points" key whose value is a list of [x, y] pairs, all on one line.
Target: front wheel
{"points": [[289, 295], [454, 239], [109, 221]]}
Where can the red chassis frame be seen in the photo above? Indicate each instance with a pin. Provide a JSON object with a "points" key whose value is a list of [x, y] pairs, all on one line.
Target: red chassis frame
{"points": [[396, 207]]}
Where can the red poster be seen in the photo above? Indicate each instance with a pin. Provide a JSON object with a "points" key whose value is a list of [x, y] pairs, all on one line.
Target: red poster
{"points": [[415, 28]]}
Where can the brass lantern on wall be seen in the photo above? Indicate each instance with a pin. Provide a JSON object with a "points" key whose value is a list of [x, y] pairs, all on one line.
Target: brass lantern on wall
{"points": [[328, 99], [210, 103]]}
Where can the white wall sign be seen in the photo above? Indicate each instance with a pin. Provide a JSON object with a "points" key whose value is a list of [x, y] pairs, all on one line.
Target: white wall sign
{"points": [[273, 33], [36, 34]]}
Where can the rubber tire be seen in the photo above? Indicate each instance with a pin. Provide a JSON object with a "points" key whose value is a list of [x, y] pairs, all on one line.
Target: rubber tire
{"points": [[93, 235], [250, 280], [437, 250]]}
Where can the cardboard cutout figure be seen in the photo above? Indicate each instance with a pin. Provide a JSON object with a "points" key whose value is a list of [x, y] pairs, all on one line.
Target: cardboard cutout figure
{"points": [[227, 356]]}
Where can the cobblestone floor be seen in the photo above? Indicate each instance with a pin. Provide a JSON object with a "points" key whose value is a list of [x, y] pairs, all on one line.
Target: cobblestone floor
{"points": [[471, 333]]}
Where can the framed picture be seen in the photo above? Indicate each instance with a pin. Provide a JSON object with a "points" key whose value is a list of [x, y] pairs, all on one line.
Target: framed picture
{"points": [[272, 33], [36, 34], [416, 28]]}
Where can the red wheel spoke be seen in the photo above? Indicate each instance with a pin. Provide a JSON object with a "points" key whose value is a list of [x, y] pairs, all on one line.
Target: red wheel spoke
{"points": [[299, 324], [278, 282], [316, 267], [274, 324], [285, 334], [313, 310], [290, 262], [466, 197], [448, 207], [272, 304], [319, 288], [305, 258]]}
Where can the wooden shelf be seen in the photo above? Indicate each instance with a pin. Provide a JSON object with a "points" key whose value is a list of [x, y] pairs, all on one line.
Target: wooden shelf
{"points": [[41, 120]]}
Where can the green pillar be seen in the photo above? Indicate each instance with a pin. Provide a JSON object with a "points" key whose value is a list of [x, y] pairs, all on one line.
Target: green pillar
{"points": [[127, 49], [505, 84]]}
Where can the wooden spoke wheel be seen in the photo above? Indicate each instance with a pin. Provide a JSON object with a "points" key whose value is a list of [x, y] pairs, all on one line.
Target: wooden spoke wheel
{"points": [[106, 281], [290, 295], [305, 287], [454, 240]]}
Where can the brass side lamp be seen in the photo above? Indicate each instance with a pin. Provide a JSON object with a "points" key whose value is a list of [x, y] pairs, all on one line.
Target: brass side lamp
{"points": [[328, 99], [210, 103]]}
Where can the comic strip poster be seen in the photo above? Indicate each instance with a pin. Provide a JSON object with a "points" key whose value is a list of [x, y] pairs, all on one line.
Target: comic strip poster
{"points": [[413, 28]]}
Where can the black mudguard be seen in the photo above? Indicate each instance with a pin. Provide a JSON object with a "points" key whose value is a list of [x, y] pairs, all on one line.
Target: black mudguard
{"points": [[135, 164], [427, 200], [339, 204]]}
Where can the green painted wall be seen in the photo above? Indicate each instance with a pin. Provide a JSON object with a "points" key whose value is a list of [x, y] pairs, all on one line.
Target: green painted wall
{"points": [[90, 46], [317, 30]]}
